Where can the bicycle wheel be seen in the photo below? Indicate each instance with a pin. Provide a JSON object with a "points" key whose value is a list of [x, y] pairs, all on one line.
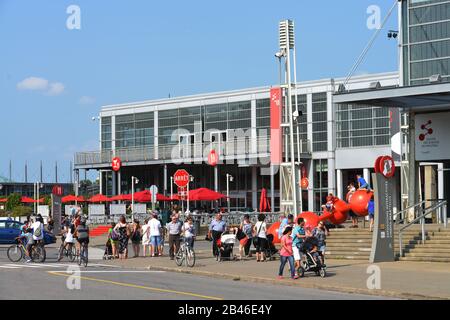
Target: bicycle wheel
{"points": [[72, 254], [61, 252], [38, 254], [15, 253], [179, 257], [80, 256], [190, 257]]}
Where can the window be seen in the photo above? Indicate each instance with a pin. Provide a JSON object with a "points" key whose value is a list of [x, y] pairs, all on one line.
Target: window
{"points": [[106, 135], [362, 126], [319, 116], [134, 130]]}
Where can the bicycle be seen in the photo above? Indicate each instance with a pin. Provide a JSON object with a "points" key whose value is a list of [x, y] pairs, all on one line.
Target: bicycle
{"points": [[69, 252], [17, 252], [185, 254], [83, 256]]}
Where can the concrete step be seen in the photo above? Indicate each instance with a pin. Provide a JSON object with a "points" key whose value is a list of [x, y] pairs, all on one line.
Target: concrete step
{"points": [[438, 250], [437, 242], [430, 245], [347, 256], [428, 259], [413, 253]]}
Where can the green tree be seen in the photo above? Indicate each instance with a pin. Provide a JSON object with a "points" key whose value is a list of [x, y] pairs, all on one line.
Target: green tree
{"points": [[14, 200]]}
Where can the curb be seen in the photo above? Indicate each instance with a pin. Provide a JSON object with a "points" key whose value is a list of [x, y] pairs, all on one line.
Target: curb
{"points": [[391, 294]]}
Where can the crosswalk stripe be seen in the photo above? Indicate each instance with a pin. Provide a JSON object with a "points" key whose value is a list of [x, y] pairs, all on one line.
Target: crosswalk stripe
{"points": [[24, 265]]}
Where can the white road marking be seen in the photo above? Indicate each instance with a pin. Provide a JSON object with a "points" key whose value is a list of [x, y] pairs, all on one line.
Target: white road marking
{"points": [[9, 267], [120, 271], [24, 266]]}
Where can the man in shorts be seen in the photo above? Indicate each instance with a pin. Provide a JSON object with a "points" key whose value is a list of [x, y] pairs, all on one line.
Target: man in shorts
{"points": [[298, 236]]}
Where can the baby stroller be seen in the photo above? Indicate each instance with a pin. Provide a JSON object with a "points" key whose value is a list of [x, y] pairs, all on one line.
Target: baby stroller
{"points": [[312, 259], [226, 245], [108, 255], [271, 250]]}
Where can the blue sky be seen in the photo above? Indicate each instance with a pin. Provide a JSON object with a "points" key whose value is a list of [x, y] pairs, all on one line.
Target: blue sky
{"points": [[137, 50]]}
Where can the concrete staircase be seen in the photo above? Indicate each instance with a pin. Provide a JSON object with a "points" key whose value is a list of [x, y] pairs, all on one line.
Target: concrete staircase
{"points": [[435, 249], [356, 244]]}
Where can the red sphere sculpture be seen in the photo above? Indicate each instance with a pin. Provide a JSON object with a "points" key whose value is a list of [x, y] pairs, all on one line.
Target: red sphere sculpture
{"points": [[338, 217], [360, 201], [311, 219], [273, 230], [341, 205]]}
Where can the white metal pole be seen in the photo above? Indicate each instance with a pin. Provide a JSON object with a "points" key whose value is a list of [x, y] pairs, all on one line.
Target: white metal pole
{"points": [[228, 192], [132, 198], [38, 186], [34, 197], [189, 182], [171, 187]]}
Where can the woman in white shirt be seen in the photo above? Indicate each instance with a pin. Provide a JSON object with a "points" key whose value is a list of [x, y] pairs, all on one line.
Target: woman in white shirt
{"points": [[260, 239], [146, 237], [189, 232]]}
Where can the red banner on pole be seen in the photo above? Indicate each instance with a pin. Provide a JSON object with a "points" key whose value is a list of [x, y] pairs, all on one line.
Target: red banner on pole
{"points": [[276, 103]]}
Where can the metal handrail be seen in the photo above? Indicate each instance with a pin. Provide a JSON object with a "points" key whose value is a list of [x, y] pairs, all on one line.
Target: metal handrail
{"points": [[441, 205], [406, 210]]}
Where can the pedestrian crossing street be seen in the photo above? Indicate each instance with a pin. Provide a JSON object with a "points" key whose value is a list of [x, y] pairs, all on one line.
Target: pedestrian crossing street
{"points": [[48, 266]]}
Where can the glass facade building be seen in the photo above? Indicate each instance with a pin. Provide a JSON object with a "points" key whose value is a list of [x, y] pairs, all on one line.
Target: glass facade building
{"points": [[337, 141], [426, 40]]}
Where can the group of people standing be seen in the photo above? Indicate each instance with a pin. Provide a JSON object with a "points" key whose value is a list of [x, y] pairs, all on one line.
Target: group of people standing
{"points": [[151, 236]]}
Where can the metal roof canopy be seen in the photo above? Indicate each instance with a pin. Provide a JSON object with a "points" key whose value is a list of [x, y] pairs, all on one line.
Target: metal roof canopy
{"points": [[432, 97]]}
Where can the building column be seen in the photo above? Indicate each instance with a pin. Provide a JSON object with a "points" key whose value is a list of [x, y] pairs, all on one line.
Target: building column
{"points": [[254, 188], [339, 184], [114, 183], [366, 175], [165, 179], [100, 180], [441, 181], [413, 166], [119, 182], [311, 185]]}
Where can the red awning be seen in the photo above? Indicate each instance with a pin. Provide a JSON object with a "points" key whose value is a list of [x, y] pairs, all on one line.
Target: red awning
{"points": [[141, 196], [30, 200], [99, 198], [205, 194], [3, 200], [72, 198]]}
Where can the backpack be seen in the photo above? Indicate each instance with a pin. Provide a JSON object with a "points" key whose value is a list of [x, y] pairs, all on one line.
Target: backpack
{"points": [[38, 231], [114, 236]]}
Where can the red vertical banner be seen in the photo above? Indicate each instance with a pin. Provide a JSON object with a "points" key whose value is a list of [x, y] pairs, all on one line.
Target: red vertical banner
{"points": [[276, 102]]}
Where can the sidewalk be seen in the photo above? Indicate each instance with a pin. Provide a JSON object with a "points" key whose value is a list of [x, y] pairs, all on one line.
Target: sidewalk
{"points": [[406, 280]]}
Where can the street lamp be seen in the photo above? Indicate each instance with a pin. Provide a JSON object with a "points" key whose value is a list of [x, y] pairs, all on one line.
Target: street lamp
{"points": [[229, 179], [191, 179], [134, 181], [36, 187]]}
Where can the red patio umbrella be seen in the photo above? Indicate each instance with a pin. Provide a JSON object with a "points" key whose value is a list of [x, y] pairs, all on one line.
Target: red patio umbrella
{"points": [[27, 200], [72, 198], [3, 200], [120, 197], [99, 198], [264, 205], [205, 194]]}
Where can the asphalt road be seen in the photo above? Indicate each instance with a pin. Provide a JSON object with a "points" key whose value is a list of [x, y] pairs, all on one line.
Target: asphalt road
{"points": [[49, 281]]}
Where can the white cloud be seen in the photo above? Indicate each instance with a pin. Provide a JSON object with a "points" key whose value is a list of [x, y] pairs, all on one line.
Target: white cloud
{"points": [[55, 89], [33, 83], [86, 100], [42, 85]]}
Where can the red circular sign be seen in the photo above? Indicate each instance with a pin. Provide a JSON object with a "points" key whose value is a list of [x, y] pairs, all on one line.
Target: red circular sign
{"points": [[304, 183], [58, 191], [377, 165], [386, 166], [213, 158], [181, 178], [116, 164]]}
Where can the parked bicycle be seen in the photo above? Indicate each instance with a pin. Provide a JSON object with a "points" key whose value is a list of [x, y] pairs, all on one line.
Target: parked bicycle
{"points": [[185, 255], [17, 252]]}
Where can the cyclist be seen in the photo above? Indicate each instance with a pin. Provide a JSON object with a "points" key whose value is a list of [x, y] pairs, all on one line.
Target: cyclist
{"points": [[26, 236], [67, 239], [82, 234]]}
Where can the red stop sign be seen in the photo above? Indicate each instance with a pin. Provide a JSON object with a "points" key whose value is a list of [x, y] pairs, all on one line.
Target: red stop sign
{"points": [[116, 164], [181, 178]]}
